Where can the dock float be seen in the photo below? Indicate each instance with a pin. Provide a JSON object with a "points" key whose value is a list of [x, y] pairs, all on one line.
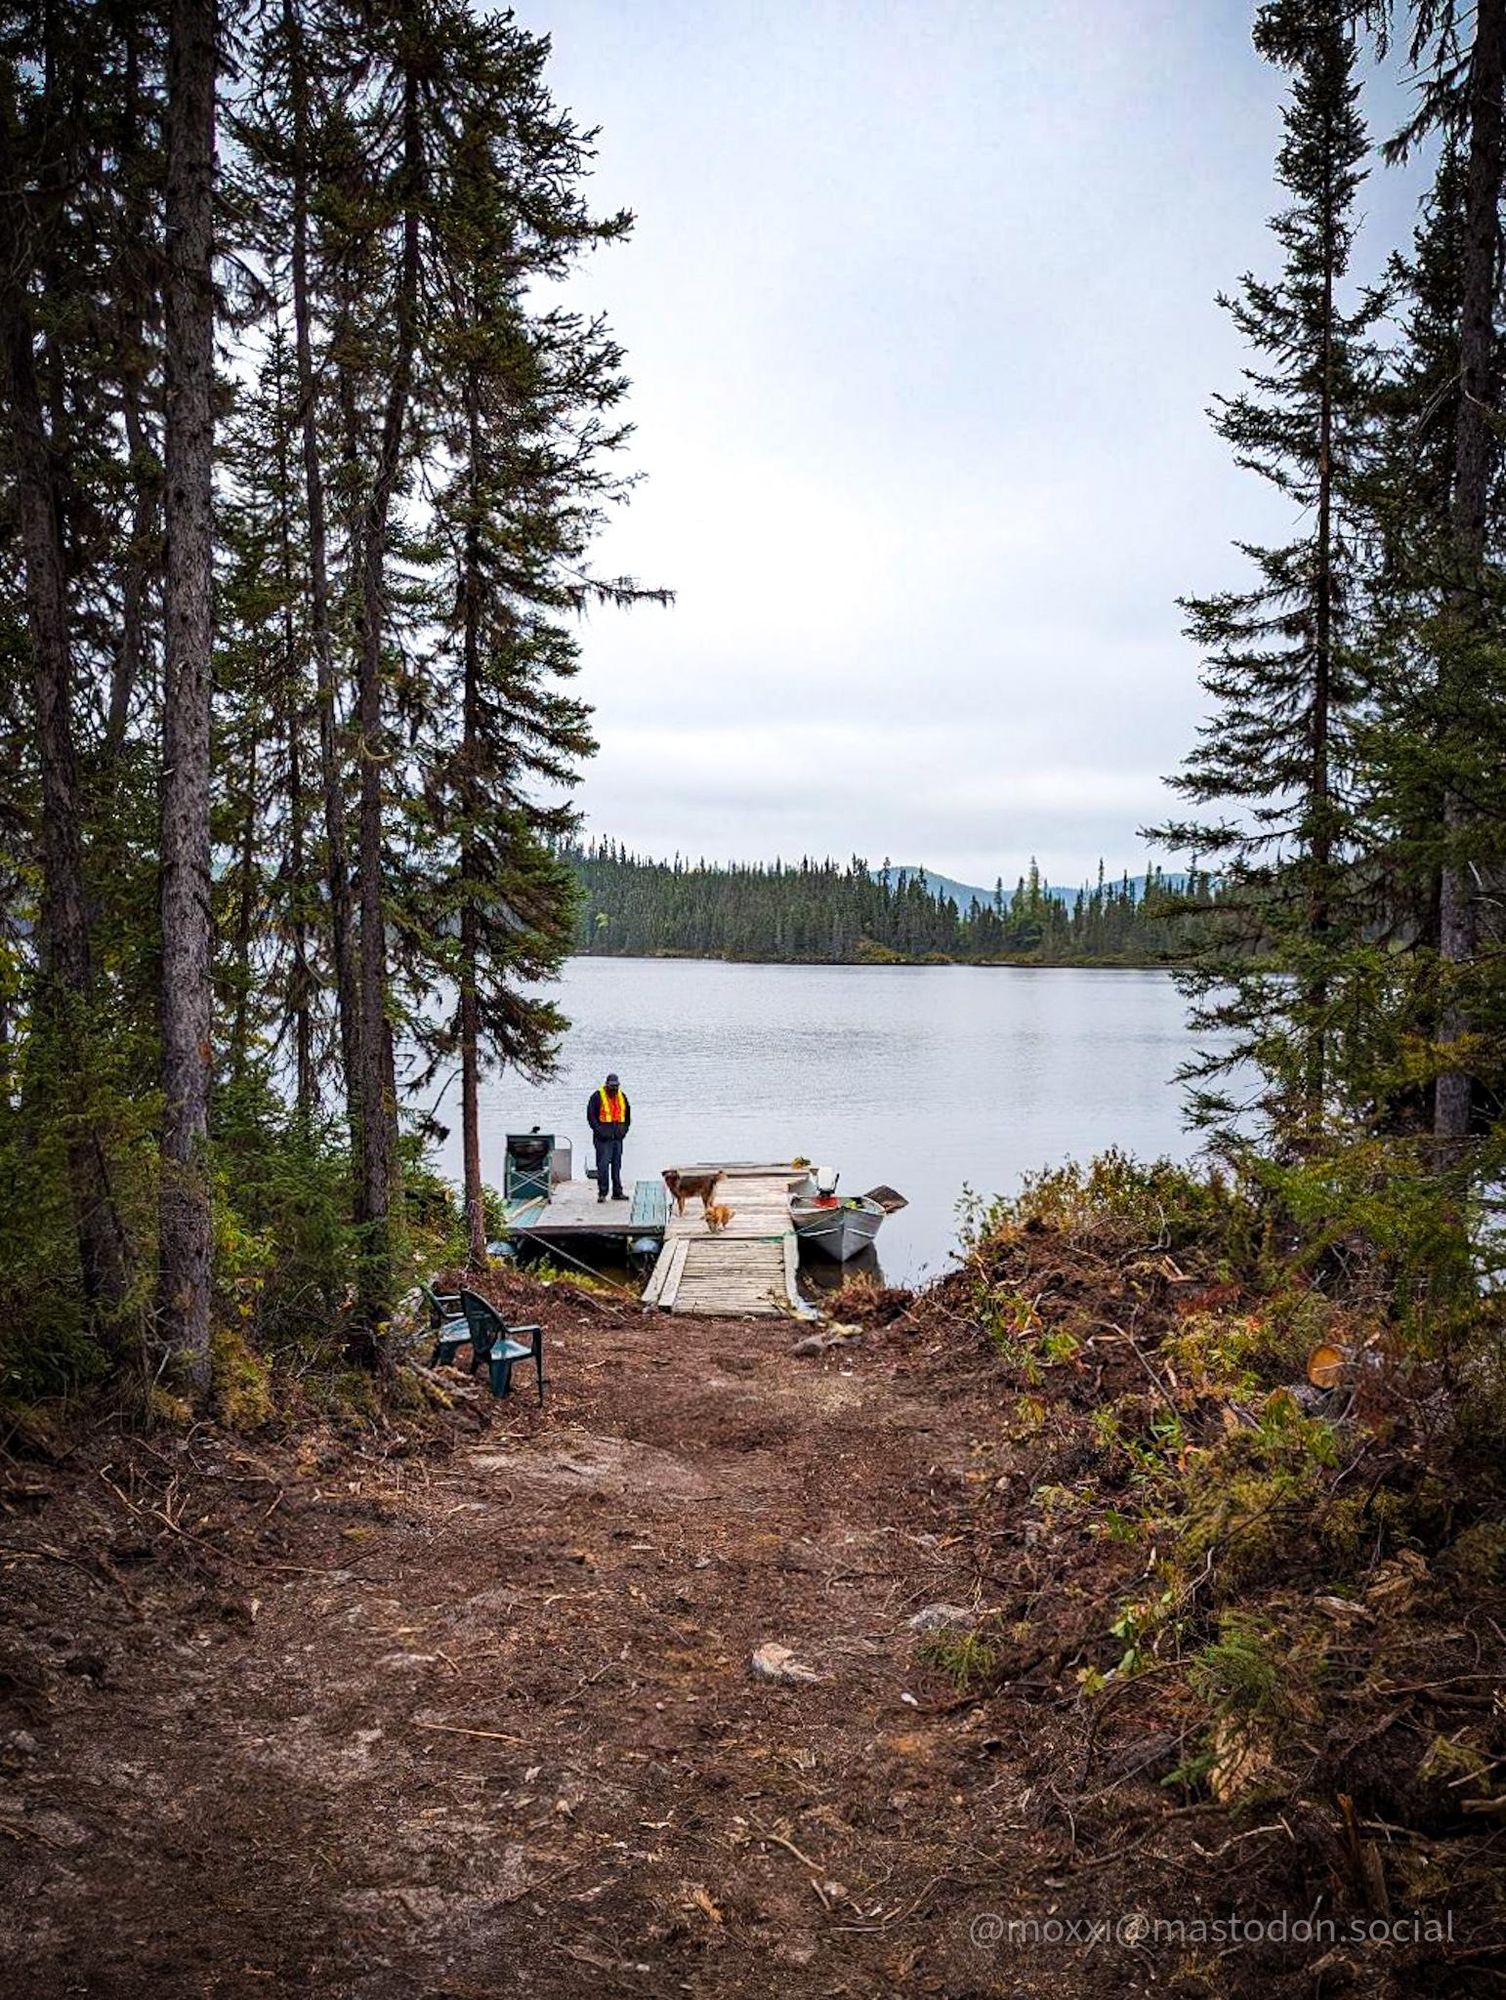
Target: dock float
{"points": [[572, 1208], [748, 1268]]}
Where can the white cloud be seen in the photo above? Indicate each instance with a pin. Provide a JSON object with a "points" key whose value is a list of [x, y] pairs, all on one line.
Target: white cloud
{"points": [[920, 316]]}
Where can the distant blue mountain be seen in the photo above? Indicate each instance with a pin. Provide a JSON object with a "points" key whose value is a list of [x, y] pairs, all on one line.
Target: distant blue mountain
{"points": [[962, 893], [965, 893]]}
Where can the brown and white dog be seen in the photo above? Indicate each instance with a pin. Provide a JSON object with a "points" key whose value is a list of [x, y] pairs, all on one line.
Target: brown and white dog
{"points": [[718, 1215], [683, 1186]]}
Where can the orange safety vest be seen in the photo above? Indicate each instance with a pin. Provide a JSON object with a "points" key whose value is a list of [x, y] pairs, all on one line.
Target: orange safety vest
{"points": [[611, 1110]]}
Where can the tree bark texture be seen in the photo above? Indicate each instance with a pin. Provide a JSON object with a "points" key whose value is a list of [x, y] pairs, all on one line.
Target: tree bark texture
{"points": [[331, 773], [470, 1096], [140, 555], [376, 1173], [1320, 794], [1475, 454], [66, 986], [291, 717], [470, 1011], [184, 1220]]}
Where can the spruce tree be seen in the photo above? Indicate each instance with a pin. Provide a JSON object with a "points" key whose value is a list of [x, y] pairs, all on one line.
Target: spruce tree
{"points": [[60, 226], [274, 952], [525, 399], [294, 131], [1279, 656], [1460, 628], [184, 1227], [371, 790]]}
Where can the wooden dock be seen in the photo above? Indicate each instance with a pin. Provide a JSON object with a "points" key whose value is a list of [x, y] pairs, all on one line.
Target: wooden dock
{"points": [[747, 1268], [574, 1210]]}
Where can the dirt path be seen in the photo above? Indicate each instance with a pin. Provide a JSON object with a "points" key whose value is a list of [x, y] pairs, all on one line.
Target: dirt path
{"points": [[484, 1723]]}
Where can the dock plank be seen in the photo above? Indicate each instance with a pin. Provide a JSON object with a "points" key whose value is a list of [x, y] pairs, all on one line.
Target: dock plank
{"points": [[746, 1269], [573, 1209], [665, 1277], [650, 1207]]}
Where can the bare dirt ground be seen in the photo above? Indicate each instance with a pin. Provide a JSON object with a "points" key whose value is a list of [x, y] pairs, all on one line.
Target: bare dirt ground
{"points": [[466, 1708], [477, 1716]]}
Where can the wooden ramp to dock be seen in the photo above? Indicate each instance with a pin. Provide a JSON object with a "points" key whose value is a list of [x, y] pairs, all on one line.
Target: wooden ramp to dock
{"points": [[748, 1267]]}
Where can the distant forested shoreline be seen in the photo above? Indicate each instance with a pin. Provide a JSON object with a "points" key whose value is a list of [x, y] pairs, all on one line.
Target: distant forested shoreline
{"points": [[823, 912]]}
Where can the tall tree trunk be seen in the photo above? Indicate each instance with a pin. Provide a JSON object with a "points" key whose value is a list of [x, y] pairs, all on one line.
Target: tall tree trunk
{"points": [[185, 1231], [66, 986], [300, 982], [470, 1023], [140, 554], [377, 1165], [1475, 456], [1320, 789], [331, 769], [301, 979], [130, 654], [245, 911], [470, 1093]]}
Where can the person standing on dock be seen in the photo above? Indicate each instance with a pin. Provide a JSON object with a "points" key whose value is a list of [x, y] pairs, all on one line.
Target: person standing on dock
{"points": [[610, 1115]]}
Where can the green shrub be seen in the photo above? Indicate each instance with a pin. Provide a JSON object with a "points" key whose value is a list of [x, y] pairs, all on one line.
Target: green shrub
{"points": [[1239, 1674], [966, 1658]]}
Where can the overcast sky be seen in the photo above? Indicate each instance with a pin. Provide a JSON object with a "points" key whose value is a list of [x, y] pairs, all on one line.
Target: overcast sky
{"points": [[919, 312]]}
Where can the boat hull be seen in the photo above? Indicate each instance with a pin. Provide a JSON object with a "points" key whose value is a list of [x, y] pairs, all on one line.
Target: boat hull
{"points": [[839, 1230]]}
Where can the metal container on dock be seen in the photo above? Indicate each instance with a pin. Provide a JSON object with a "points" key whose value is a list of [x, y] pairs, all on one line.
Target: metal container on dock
{"points": [[526, 1166]]}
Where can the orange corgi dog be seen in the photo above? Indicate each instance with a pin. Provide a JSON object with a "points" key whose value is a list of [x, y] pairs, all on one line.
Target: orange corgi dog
{"points": [[718, 1215]]}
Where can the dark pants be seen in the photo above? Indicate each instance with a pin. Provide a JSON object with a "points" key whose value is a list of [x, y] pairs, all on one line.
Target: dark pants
{"points": [[608, 1165]]}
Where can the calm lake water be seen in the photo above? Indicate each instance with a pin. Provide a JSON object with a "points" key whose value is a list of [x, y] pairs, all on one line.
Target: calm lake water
{"points": [[930, 1078]]}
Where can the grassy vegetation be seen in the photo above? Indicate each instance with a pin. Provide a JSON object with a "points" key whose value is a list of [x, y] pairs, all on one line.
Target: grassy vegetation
{"points": [[1300, 1591], [286, 1258]]}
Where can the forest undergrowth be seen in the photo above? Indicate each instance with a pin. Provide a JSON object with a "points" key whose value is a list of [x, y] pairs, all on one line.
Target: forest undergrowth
{"points": [[1246, 1535], [1229, 1641]]}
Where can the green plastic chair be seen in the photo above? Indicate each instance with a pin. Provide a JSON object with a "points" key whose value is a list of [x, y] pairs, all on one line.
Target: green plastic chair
{"points": [[447, 1320], [503, 1346]]}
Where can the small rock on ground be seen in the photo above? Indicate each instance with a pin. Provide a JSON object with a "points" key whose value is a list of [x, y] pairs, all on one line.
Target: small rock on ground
{"points": [[778, 1665], [835, 1336], [943, 1618]]}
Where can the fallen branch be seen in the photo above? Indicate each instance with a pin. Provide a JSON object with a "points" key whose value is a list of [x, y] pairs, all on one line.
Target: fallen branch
{"points": [[790, 1848], [18, 1830], [897, 1916], [454, 1729]]}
